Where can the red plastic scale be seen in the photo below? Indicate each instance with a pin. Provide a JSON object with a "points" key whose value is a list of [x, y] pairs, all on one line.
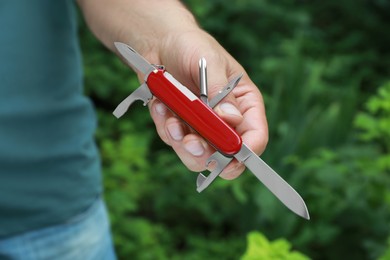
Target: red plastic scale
{"points": [[194, 112]]}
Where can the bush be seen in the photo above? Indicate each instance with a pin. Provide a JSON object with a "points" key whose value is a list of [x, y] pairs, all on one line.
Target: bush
{"points": [[260, 248]]}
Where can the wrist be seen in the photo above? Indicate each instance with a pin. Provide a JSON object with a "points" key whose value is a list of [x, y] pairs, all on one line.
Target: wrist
{"points": [[150, 28]]}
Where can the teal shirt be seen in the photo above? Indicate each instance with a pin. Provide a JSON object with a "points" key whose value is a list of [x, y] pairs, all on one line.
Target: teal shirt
{"points": [[49, 165]]}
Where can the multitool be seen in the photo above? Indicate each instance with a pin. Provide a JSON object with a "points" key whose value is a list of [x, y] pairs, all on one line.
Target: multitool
{"points": [[199, 115]]}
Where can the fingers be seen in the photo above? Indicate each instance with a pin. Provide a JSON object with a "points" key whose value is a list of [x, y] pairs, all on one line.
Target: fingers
{"points": [[243, 109], [254, 127], [229, 113], [192, 149], [160, 113]]}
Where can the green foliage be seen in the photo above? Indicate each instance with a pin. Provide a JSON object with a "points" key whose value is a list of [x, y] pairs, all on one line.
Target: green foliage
{"points": [[313, 62], [378, 107], [259, 247], [386, 255], [349, 188], [316, 63]]}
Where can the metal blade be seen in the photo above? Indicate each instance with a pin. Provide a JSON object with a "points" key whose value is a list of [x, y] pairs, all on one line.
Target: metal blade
{"points": [[134, 58], [225, 91], [142, 93], [279, 187]]}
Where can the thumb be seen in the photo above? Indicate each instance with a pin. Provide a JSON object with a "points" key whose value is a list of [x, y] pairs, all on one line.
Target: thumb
{"points": [[217, 79], [229, 113]]}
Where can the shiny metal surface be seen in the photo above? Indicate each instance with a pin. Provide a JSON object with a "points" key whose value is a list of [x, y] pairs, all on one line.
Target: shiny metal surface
{"points": [[203, 81], [225, 91], [202, 182], [134, 58], [142, 93], [276, 184]]}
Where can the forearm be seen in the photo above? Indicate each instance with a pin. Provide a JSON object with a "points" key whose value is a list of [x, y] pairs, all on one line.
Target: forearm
{"points": [[136, 22]]}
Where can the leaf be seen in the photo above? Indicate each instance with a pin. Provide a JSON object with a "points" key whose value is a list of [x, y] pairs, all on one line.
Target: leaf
{"points": [[259, 247]]}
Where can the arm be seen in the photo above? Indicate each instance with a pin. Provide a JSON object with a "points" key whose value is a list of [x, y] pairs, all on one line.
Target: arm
{"points": [[138, 23], [165, 32]]}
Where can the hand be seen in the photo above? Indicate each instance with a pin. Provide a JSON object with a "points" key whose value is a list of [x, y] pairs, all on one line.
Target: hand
{"points": [[166, 33], [243, 108]]}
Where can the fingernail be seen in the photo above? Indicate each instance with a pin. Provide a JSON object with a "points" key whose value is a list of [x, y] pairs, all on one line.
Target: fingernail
{"points": [[161, 109], [194, 147], [176, 132], [228, 108]]}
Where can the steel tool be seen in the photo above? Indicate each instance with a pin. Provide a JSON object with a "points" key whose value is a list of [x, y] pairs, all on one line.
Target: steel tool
{"points": [[199, 115]]}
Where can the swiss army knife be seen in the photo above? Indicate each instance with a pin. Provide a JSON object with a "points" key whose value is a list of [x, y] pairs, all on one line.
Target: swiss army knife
{"points": [[199, 115]]}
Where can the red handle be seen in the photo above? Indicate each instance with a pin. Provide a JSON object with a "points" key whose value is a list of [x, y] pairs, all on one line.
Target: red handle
{"points": [[194, 112]]}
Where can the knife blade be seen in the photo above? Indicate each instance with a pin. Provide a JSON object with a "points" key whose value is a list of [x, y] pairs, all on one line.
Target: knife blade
{"points": [[276, 184], [134, 58]]}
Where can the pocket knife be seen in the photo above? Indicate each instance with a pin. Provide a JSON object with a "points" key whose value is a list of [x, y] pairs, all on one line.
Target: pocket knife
{"points": [[199, 115]]}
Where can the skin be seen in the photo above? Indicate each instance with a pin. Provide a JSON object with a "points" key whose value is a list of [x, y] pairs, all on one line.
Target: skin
{"points": [[165, 32]]}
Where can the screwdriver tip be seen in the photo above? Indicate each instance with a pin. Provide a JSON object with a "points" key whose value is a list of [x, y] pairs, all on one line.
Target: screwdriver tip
{"points": [[202, 63]]}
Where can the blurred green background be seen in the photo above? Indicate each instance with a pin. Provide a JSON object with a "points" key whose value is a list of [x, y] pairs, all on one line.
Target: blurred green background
{"points": [[324, 70]]}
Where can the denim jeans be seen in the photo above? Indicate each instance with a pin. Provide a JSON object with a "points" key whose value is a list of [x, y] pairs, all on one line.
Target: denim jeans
{"points": [[86, 236]]}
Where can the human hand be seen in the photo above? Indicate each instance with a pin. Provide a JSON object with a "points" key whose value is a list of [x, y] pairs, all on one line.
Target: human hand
{"points": [[166, 33], [243, 108]]}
